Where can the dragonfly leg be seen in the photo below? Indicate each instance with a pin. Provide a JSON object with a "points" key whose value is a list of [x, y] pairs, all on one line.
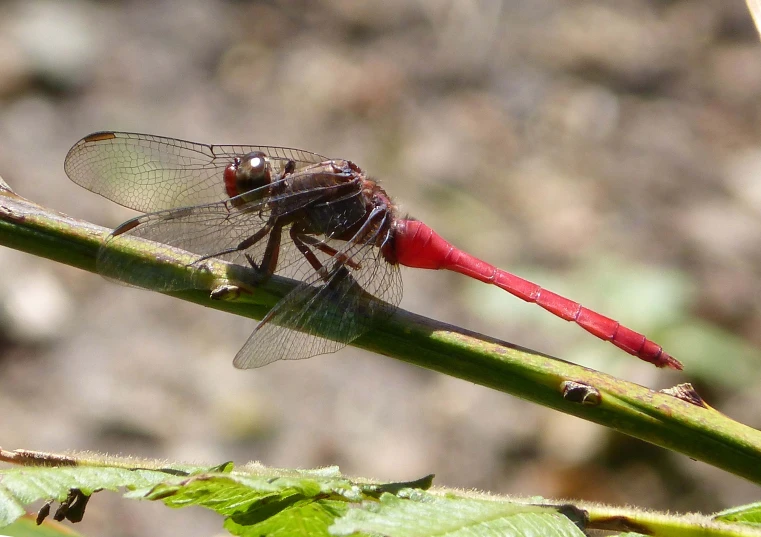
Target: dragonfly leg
{"points": [[271, 252], [300, 243], [244, 244], [329, 250]]}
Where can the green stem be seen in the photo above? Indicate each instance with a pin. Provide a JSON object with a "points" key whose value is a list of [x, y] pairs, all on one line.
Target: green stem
{"points": [[662, 419], [631, 519]]}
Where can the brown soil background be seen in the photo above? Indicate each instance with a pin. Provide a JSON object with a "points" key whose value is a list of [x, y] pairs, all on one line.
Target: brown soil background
{"points": [[610, 151]]}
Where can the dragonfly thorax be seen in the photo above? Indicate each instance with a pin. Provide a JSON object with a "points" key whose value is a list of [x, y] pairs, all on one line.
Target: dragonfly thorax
{"points": [[338, 218]]}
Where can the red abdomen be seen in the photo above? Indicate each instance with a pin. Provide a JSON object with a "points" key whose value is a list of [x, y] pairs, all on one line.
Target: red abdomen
{"points": [[417, 245]]}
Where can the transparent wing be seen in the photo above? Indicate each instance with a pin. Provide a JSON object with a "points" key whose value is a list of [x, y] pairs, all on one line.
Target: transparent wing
{"points": [[153, 173], [323, 315], [219, 229]]}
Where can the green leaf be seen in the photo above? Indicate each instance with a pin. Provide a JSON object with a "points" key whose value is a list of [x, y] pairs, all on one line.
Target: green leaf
{"points": [[21, 486], [256, 500], [422, 514], [229, 494], [301, 518], [749, 514], [52, 477], [253, 496], [263, 501]]}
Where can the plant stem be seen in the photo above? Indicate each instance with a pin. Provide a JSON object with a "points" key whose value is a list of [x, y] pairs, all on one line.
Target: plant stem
{"points": [[699, 432]]}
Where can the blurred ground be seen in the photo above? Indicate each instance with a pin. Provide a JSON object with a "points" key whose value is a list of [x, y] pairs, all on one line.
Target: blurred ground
{"points": [[611, 152]]}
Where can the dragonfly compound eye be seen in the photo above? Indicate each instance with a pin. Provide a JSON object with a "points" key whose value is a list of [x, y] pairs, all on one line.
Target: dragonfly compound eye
{"points": [[246, 174], [253, 172]]}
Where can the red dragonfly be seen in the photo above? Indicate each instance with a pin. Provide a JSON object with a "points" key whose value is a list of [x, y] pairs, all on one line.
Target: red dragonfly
{"points": [[297, 214]]}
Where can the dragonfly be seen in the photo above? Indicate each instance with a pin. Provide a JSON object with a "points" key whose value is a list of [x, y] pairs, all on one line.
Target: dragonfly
{"points": [[322, 222]]}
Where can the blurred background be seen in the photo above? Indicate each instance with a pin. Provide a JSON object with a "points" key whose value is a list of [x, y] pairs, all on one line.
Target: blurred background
{"points": [[609, 151]]}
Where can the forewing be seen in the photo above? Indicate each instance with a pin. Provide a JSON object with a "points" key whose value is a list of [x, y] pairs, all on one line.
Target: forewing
{"points": [[319, 316], [153, 173]]}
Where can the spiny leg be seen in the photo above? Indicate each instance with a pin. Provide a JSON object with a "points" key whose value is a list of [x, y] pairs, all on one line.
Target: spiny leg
{"points": [[264, 270], [297, 237], [329, 250], [271, 252], [244, 244]]}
